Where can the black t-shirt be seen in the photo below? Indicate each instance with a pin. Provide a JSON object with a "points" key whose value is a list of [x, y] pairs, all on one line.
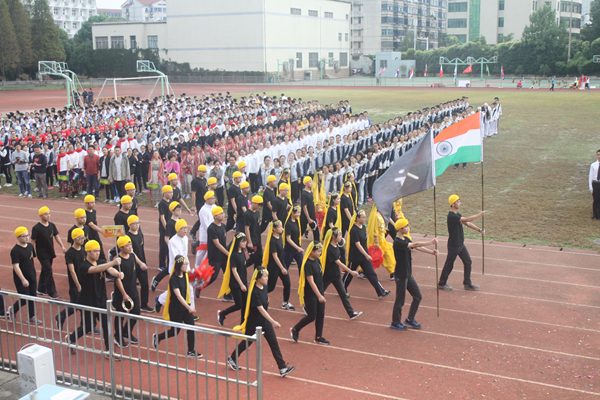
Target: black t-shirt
{"points": [[214, 231], [199, 186], [403, 257], [163, 209], [128, 269], [330, 218], [86, 233], [292, 229], [358, 235], [137, 244], [238, 261], [170, 231], [91, 218], [93, 287], [260, 297], [232, 193], [313, 268], [346, 204], [241, 201], [307, 200], [121, 219], [251, 221], [280, 207], [176, 194], [24, 257], [332, 270], [134, 207], [455, 230], [176, 282], [75, 257], [44, 240], [268, 196], [276, 247]]}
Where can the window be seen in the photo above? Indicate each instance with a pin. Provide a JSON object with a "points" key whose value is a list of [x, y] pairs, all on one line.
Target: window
{"points": [[298, 60], [74, 25], [117, 42], [387, 20], [313, 13], [328, 14], [386, 7], [74, 12], [501, 5], [101, 42], [330, 59], [383, 63], [132, 42], [345, 37], [295, 11], [457, 23], [534, 5], [313, 60], [458, 7], [152, 41], [343, 59], [501, 22], [346, 16], [56, 11], [387, 32], [339, 37], [565, 22], [387, 46], [500, 38]]}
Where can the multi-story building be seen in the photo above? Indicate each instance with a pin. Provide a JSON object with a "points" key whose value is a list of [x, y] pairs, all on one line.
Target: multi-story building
{"points": [[381, 25], [70, 14], [145, 10], [585, 11], [496, 19], [111, 12]]}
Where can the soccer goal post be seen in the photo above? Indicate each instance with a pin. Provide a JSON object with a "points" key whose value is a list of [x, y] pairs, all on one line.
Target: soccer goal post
{"points": [[144, 87]]}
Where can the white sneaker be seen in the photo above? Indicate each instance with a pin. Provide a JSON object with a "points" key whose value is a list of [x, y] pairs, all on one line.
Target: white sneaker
{"points": [[8, 185], [21, 195], [29, 196]]}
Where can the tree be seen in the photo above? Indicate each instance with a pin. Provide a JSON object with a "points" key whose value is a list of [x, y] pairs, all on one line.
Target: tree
{"points": [[591, 32], [20, 22], [68, 45], [507, 38], [83, 59], [45, 36], [9, 47], [452, 40], [545, 41]]}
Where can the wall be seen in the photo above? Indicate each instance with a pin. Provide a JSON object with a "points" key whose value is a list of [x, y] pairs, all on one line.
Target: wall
{"points": [[138, 29]]}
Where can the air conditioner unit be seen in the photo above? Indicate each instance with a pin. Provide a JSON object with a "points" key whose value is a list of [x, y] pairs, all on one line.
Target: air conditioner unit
{"points": [[36, 368]]}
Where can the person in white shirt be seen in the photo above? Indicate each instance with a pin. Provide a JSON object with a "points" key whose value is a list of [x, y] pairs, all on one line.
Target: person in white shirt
{"points": [[206, 218], [595, 185], [252, 167]]}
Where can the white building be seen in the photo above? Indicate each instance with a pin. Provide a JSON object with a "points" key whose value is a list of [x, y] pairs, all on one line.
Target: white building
{"points": [[70, 14], [495, 19], [111, 12], [244, 35], [145, 10]]}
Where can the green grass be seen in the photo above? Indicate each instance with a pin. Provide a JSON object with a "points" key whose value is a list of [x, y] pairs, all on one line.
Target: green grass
{"points": [[536, 169]]}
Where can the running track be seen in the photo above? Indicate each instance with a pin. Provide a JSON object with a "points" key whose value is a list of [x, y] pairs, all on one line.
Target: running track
{"points": [[531, 332]]}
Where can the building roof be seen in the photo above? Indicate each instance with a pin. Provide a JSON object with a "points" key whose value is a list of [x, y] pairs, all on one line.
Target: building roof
{"points": [[147, 2], [110, 10]]}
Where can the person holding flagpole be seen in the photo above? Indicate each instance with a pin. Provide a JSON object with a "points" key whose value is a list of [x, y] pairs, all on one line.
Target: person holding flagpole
{"points": [[456, 244]]}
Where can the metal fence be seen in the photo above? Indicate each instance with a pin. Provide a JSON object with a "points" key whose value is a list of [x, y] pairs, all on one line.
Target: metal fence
{"points": [[138, 371]]}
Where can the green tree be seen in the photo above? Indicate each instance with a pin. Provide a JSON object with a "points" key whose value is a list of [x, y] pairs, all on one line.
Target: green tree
{"points": [[591, 32], [83, 59], [68, 45], [452, 40], [9, 47], [20, 22], [45, 35]]}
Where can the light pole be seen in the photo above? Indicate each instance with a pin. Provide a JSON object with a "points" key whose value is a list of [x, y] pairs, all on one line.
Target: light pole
{"points": [[570, 33]]}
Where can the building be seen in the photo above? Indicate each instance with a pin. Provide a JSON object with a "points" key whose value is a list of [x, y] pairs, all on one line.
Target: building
{"points": [[144, 10], [289, 36], [585, 11], [496, 19], [111, 12], [69, 15], [381, 25]]}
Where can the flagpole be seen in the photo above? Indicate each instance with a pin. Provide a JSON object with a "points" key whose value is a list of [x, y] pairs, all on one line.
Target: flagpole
{"points": [[437, 274], [482, 225]]}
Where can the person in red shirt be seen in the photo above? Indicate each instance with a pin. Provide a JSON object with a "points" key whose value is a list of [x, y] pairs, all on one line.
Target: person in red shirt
{"points": [[91, 164]]}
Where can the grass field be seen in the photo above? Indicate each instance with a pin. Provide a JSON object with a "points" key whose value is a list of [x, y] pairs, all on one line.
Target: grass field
{"points": [[536, 169]]}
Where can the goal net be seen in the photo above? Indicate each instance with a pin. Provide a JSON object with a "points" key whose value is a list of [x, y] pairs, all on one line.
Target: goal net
{"points": [[144, 87]]}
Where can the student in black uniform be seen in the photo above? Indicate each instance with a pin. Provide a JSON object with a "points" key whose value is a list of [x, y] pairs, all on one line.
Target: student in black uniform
{"points": [[331, 263], [124, 212], [358, 254], [177, 307], [293, 238], [403, 275], [43, 235], [242, 205], [252, 229], [137, 243], [311, 294], [456, 244], [308, 216], [174, 183], [80, 223], [170, 231], [256, 314], [198, 187], [281, 204], [74, 258], [130, 188], [216, 244], [126, 293], [273, 259], [346, 207], [92, 223], [268, 197], [235, 279], [163, 216], [93, 291], [21, 258], [333, 216], [232, 194]]}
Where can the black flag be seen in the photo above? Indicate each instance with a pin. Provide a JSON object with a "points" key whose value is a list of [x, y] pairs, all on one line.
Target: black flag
{"points": [[411, 173]]}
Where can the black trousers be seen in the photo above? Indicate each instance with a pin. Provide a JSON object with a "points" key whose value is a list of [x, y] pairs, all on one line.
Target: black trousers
{"points": [[6, 170], [369, 272], [295, 191], [596, 194], [392, 230], [274, 273], [304, 226], [28, 291], [195, 228], [339, 287], [220, 192], [50, 173], [87, 326], [68, 311], [293, 255], [315, 313], [121, 188], [46, 282], [267, 217], [454, 252], [270, 337], [239, 299], [230, 220], [163, 252], [370, 183], [124, 329], [256, 257], [110, 193], [142, 277], [402, 285], [187, 318], [254, 182]]}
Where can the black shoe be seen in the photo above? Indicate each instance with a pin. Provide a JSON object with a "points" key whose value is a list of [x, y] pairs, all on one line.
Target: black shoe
{"points": [[392, 277], [193, 354], [197, 292], [220, 317], [132, 339], [471, 287], [294, 334], [412, 324], [157, 305], [228, 298], [356, 315], [154, 284], [155, 341], [147, 309], [232, 364], [285, 371], [444, 287], [321, 340], [361, 275], [594, 217], [385, 293], [121, 343], [96, 331], [58, 324], [399, 327]]}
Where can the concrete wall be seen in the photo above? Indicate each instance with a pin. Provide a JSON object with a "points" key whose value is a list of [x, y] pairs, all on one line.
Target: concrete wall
{"points": [[140, 30], [394, 61]]}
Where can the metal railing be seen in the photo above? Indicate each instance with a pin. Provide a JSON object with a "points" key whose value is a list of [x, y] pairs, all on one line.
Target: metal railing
{"points": [[138, 371]]}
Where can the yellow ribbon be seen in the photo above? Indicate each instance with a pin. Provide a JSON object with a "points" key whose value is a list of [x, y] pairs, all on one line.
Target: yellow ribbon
{"points": [[242, 327], [166, 314], [326, 243], [267, 250], [225, 289], [302, 281]]}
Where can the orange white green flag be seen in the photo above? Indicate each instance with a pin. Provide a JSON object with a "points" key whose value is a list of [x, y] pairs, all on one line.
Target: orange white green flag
{"points": [[459, 143]]}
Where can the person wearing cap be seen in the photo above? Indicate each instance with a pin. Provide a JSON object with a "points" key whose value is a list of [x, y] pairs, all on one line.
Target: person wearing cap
{"points": [[124, 212], [164, 214], [403, 276], [92, 278], [211, 186], [92, 223], [175, 209], [233, 193], [80, 222], [242, 204], [268, 198], [281, 204], [74, 258], [174, 183], [242, 169], [308, 217], [137, 245], [21, 258], [198, 186], [130, 190], [252, 231], [456, 244], [216, 252], [205, 218], [43, 235]]}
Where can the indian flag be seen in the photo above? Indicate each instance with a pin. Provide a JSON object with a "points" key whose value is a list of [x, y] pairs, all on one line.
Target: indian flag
{"points": [[459, 143]]}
